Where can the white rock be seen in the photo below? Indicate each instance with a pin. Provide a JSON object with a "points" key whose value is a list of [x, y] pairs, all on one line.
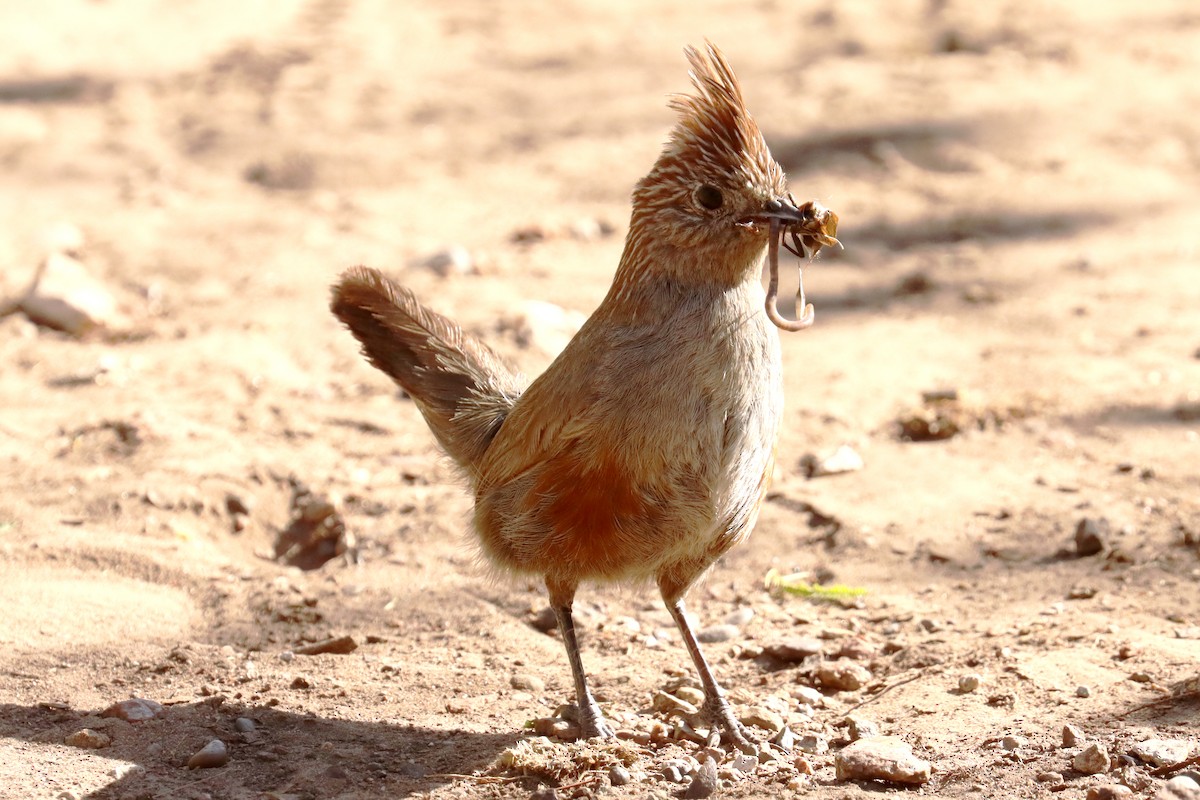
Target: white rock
{"points": [[1092, 760], [1161, 752], [1181, 787], [213, 754]]}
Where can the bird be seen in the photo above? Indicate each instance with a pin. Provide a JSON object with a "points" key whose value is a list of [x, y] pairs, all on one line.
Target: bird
{"points": [[644, 451]]}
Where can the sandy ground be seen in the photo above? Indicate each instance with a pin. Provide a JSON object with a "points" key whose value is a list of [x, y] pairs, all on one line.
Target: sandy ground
{"points": [[1017, 185]]}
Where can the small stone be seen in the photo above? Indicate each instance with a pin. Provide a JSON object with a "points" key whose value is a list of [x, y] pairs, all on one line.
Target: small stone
{"points": [[1109, 791], [1072, 735], [808, 696], [527, 682], [544, 793], [842, 460], [135, 709], [1083, 691], [740, 617], [1141, 677], [784, 739], [745, 764], [213, 754], [1092, 760], [556, 727], [794, 650], [811, 743], [88, 739], [1090, 535], [236, 504], [454, 260], [1161, 752], [68, 298], [718, 633], [1013, 742], [843, 675], [1052, 778], [244, 725], [338, 645], [671, 704], [618, 775], [672, 773], [300, 682], [1181, 787], [704, 782], [764, 718], [861, 728], [883, 758], [690, 694], [969, 682]]}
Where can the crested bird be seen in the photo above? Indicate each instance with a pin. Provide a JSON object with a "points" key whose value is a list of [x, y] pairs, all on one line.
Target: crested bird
{"points": [[644, 450]]}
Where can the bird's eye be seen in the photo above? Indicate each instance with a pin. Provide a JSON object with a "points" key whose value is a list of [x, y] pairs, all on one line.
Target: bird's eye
{"points": [[709, 196]]}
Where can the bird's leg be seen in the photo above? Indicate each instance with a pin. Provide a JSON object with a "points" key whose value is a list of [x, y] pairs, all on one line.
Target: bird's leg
{"points": [[716, 707], [591, 719]]}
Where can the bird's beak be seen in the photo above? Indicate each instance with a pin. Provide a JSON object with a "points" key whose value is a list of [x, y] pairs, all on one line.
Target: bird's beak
{"points": [[784, 210]]}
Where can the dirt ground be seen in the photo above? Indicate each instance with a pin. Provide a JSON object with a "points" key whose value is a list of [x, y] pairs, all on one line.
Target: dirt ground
{"points": [[1019, 189]]}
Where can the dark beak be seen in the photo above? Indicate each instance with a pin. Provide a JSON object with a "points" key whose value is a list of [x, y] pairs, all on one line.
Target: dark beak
{"points": [[785, 210]]}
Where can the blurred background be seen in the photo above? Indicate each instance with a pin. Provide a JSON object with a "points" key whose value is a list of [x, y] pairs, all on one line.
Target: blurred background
{"points": [[1008, 346]]}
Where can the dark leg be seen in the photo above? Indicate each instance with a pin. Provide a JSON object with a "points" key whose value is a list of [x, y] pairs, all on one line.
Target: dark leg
{"points": [[716, 707], [591, 720]]}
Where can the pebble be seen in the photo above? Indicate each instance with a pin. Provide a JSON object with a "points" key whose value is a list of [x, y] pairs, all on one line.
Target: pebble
{"points": [[557, 727], [213, 754], [1052, 778], [764, 718], [1013, 742], [1071, 735], [1161, 752], [812, 743], [718, 633], [1090, 535], [704, 782], [861, 728], [1109, 791], [808, 696], [527, 682], [843, 675], [672, 773], [135, 709], [544, 793], [690, 694], [842, 460], [670, 704], [618, 775], [454, 260], [794, 650], [740, 617], [1083, 691], [243, 725], [1181, 787], [745, 764], [88, 739], [68, 298], [785, 740], [1092, 760], [969, 682], [883, 758]]}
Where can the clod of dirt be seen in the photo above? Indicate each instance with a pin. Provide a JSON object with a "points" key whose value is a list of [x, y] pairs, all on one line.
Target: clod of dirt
{"points": [[843, 675], [213, 754], [883, 758], [339, 645], [1109, 791], [793, 650], [1091, 536], [1092, 760], [316, 533], [88, 739], [135, 709]]}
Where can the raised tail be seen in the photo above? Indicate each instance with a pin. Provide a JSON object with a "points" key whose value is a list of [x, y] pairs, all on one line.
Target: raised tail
{"points": [[463, 389]]}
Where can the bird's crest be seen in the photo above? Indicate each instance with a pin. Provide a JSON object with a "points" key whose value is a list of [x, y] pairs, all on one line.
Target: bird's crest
{"points": [[715, 130]]}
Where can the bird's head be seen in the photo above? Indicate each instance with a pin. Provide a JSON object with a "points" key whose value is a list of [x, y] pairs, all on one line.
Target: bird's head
{"points": [[716, 188]]}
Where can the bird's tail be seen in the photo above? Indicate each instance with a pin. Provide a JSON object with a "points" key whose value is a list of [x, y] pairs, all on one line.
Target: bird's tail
{"points": [[463, 389]]}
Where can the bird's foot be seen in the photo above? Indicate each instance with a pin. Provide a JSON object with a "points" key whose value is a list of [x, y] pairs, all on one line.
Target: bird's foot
{"points": [[732, 733], [592, 724]]}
